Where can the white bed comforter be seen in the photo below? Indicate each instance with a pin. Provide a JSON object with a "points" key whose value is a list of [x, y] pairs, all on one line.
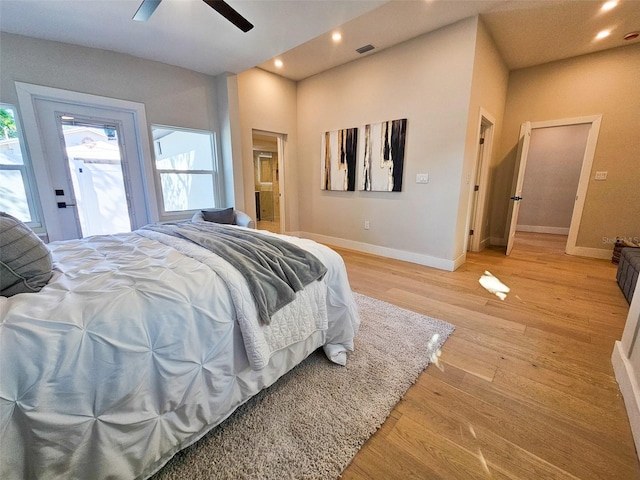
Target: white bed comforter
{"points": [[141, 344]]}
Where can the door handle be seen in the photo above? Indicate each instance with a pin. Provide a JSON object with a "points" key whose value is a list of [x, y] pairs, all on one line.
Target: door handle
{"points": [[65, 204], [516, 198]]}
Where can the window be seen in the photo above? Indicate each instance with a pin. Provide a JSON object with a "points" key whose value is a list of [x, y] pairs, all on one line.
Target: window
{"points": [[186, 169], [17, 189]]}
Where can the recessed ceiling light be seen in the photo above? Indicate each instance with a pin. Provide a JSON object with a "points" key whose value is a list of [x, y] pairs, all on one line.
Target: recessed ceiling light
{"points": [[278, 63], [336, 37], [602, 34], [609, 5]]}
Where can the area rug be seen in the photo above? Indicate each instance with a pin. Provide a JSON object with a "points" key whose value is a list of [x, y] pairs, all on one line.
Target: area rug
{"points": [[312, 422]]}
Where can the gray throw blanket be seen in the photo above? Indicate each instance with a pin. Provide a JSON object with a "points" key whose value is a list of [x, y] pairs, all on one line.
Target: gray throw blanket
{"points": [[274, 269]]}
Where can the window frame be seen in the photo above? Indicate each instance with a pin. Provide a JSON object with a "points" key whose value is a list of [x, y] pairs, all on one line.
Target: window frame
{"points": [[27, 174], [157, 172]]}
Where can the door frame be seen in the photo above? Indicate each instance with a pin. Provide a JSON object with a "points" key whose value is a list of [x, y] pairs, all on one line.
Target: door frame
{"points": [[480, 174], [281, 140], [585, 174], [28, 94]]}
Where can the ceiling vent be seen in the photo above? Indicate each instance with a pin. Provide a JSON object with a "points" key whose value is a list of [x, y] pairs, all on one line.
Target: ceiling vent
{"points": [[365, 49]]}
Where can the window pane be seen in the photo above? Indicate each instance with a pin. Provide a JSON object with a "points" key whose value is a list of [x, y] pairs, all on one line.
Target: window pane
{"points": [[182, 150], [13, 198], [184, 191], [17, 189]]}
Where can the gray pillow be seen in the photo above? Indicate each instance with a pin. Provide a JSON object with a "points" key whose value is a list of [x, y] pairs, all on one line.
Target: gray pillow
{"points": [[220, 215], [25, 261]]}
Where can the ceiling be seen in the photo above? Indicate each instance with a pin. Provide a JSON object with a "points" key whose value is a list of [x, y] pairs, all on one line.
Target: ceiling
{"points": [[189, 34]]}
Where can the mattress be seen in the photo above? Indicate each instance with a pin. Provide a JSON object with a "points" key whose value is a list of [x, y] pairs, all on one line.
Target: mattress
{"points": [[135, 349]]}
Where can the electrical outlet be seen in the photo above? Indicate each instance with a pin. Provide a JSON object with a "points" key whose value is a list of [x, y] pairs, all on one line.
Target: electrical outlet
{"points": [[366, 224], [601, 176], [422, 178]]}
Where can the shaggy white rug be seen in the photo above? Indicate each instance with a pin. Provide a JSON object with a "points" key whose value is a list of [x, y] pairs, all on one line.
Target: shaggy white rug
{"points": [[312, 422]]}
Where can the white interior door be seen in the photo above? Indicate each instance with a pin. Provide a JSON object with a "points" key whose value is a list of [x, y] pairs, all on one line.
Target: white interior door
{"points": [[521, 165], [50, 116]]}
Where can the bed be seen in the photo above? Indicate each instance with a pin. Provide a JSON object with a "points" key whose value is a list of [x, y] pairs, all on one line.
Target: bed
{"points": [[141, 343]]}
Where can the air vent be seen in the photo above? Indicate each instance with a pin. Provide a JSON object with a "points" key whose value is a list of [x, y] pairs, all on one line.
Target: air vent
{"points": [[365, 49]]}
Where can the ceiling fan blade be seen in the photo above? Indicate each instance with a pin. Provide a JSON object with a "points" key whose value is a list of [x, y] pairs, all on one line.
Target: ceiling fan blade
{"points": [[145, 10], [230, 14]]}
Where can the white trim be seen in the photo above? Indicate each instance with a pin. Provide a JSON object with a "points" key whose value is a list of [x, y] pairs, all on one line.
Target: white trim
{"points": [[585, 172], [542, 229], [624, 373], [28, 93], [592, 252], [459, 261], [413, 257], [484, 117]]}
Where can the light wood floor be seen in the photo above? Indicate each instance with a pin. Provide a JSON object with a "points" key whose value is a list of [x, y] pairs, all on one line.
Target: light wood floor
{"points": [[525, 388]]}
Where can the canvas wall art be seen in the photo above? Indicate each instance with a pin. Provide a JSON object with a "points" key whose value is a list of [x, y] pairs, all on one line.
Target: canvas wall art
{"points": [[382, 156], [339, 159]]}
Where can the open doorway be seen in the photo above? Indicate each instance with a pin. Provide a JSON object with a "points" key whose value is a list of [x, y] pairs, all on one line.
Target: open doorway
{"points": [[552, 174], [478, 219], [267, 179]]}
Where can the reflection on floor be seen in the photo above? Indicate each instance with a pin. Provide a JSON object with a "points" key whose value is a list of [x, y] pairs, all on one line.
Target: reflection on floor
{"points": [[270, 226], [527, 390]]}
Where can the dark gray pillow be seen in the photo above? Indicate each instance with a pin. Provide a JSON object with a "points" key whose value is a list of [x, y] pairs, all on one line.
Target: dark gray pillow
{"points": [[25, 261], [220, 215]]}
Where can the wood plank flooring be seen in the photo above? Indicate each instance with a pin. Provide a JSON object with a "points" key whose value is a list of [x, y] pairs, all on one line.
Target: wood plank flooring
{"points": [[524, 388]]}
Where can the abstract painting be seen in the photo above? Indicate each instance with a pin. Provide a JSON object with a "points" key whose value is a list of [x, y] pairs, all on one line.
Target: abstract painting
{"points": [[339, 159], [382, 156]]}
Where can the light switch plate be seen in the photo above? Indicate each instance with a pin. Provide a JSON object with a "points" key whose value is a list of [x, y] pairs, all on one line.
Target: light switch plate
{"points": [[422, 178], [601, 176]]}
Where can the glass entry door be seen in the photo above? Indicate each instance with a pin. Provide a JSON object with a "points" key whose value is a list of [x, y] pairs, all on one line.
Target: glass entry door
{"points": [[94, 160], [94, 164]]}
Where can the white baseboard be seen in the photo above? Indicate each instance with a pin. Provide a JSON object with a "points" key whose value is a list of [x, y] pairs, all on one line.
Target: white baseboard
{"points": [[603, 253], [630, 390], [459, 261], [419, 258], [484, 243], [542, 229]]}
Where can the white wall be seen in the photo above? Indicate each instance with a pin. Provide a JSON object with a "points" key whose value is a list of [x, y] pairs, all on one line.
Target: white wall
{"points": [[267, 102], [171, 95], [426, 80]]}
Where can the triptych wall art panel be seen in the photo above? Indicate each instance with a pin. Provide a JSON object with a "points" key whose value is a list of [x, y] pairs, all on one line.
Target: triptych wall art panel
{"points": [[375, 152], [339, 152], [382, 158]]}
